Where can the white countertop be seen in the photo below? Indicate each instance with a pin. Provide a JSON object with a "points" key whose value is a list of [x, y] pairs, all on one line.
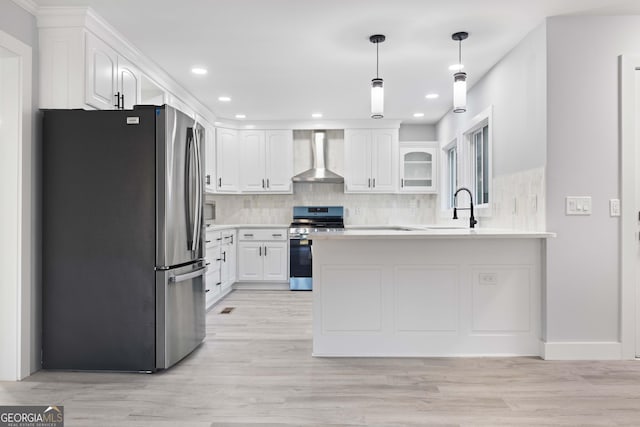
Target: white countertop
{"points": [[217, 227], [427, 232]]}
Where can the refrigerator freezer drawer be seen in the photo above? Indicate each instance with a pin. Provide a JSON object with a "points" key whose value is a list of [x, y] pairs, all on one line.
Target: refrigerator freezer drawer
{"points": [[181, 312]]}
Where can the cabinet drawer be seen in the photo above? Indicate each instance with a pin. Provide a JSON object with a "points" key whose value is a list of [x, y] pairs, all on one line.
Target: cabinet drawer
{"points": [[213, 238], [263, 234]]}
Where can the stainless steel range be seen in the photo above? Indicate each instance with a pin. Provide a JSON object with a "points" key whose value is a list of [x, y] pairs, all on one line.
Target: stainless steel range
{"points": [[306, 220]]}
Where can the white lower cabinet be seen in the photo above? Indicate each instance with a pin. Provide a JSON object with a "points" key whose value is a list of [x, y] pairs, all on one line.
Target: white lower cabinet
{"points": [[228, 260], [263, 255], [221, 262]]}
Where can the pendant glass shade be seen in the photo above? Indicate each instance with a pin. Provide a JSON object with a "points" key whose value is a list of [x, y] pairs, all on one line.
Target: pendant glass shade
{"points": [[459, 92], [377, 99]]}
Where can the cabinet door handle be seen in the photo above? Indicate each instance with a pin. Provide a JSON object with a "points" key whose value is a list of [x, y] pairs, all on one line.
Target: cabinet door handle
{"points": [[122, 101], [224, 256], [260, 251], [265, 251], [207, 241], [208, 290], [374, 183], [232, 239], [263, 183], [220, 182], [248, 235], [277, 235], [208, 179], [369, 183], [219, 283], [402, 182], [117, 104], [219, 238], [268, 185]]}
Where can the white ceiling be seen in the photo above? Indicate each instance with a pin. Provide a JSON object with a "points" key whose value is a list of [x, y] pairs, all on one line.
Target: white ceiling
{"points": [[287, 59]]}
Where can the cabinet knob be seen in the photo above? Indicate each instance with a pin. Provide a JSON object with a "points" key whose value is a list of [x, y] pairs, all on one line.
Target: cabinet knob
{"points": [[208, 179]]}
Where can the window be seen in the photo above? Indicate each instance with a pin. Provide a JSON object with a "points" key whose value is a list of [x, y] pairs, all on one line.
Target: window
{"points": [[480, 167], [452, 173]]}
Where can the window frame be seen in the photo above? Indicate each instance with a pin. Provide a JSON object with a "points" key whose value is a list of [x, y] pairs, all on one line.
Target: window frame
{"points": [[477, 124], [448, 187]]}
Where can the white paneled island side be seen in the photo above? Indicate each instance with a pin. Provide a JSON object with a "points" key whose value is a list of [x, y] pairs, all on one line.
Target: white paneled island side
{"points": [[409, 292]]}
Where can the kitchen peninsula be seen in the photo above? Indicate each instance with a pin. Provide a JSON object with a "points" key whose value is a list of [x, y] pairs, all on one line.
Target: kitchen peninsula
{"points": [[414, 292]]}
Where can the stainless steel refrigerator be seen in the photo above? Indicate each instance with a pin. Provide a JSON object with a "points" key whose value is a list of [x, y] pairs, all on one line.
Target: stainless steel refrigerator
{"points": [[123, 260]]}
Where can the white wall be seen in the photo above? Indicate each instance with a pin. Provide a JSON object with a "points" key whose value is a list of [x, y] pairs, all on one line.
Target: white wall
{"points": [[583, 280], [20, 24], [417, 132], [515, 89]]}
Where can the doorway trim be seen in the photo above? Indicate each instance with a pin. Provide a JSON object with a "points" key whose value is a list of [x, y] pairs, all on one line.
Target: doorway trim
{"points": [[20, 178], [629, 189]]}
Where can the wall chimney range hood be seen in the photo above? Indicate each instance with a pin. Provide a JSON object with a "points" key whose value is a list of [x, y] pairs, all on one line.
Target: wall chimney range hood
{"points": [[319, 172]]}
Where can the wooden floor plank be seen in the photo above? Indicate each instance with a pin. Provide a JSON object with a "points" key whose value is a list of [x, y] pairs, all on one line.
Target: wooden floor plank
{"points": [[255, 369]]}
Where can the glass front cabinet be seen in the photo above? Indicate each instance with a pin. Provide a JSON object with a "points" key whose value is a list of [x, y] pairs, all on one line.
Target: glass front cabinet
{"points": [[418, 167]]}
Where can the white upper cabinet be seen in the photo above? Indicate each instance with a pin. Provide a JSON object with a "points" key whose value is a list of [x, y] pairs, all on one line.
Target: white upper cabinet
{"points": [[279, 160], [101, 74], [227, 160], [371, 160], [129, 84], [418, 167], [266, 163], [252, 162], [210, 159], [112, 82]]}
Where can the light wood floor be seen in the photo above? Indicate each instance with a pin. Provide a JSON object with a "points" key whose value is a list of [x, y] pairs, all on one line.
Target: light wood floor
{"points": [[256, 369]]}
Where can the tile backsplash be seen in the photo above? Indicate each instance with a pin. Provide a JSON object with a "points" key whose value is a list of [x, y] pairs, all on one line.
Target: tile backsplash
{"points": [[360, 209]]}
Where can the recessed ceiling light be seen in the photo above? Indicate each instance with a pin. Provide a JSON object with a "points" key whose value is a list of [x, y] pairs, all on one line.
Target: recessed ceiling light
{"points": [[456, 67], [241, 116], [199, 71], [224, 98], [316, 115], [432, 96], [250, 126], [418, 114]]}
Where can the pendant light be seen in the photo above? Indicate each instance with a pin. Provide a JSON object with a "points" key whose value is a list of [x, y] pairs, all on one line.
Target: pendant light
{"points": [[377, 89], [460, 77]]}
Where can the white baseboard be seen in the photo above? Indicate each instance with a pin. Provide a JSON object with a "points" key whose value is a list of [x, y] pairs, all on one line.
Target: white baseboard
{"points": [[604, 350], [262, 286]]}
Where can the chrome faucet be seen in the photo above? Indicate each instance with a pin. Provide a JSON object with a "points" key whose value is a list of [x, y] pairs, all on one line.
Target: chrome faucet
{"points": [[472, 219]]}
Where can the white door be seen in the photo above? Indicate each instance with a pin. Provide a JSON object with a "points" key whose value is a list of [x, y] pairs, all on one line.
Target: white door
{"points": [[357, 147], [279, 160], [101, 74], [227, 149], [252, 161], [250, 264], [384, 149], [275, 261], [129, 84], [637, 144], [19, 350]]}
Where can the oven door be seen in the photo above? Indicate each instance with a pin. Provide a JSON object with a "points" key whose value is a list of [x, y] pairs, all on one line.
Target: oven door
{"points": [[300, 265]]}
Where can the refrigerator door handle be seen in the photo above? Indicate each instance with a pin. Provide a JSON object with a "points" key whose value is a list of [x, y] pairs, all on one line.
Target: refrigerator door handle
{"points": [[188, 190], [200, 189], [182, 277]]}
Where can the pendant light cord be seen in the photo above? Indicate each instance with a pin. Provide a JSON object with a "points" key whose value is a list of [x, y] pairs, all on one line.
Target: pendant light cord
{"points": [[460, 55], [377, 60]]}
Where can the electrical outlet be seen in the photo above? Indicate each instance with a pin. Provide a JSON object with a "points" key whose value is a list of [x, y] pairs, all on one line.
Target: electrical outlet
{"points": [[533, 203], [614, 207], [488, 278]]}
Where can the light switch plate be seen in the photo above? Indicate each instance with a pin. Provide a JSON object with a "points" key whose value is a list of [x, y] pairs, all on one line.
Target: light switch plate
{"points": [[578, 205]]}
